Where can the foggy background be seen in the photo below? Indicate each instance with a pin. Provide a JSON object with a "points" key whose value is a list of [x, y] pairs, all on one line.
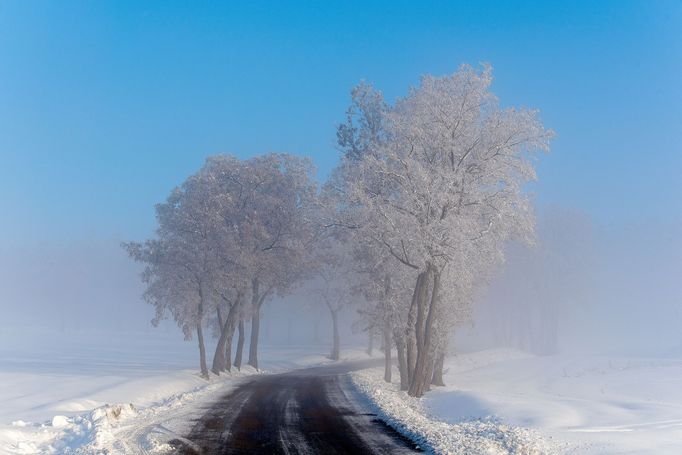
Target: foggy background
{"points": [[104, 108], [582, 288]]}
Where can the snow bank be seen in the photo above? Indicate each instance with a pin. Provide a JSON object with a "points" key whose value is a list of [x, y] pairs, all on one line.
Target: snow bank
{"points": [[578, 405], [117, 428], [408, 416], [106, 393], [595, 405]]}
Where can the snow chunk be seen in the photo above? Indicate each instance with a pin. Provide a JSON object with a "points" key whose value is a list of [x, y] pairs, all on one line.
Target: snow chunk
{"points": [[60, 421]]}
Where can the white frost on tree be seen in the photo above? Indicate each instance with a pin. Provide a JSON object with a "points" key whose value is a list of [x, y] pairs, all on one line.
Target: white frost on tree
{"points": [[412, 222], [229, 237], [441, 190]]}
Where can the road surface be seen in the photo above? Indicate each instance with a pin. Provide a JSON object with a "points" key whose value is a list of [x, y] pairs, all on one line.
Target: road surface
{"points": [[310, 411]]}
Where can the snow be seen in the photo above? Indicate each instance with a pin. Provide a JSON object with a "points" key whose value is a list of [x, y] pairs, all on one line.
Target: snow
{"points": [[560, 404], [90, 392], [108, 392], [410, 417], [596, 404]]}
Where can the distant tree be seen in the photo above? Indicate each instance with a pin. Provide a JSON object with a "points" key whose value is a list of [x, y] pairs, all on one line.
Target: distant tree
{"points": [[333, 282], [543, 286]]}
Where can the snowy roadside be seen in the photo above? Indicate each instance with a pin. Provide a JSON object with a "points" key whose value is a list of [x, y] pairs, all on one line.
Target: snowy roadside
{"points": [[509, 401], [121, 428], [126, 411], [408, 416]]}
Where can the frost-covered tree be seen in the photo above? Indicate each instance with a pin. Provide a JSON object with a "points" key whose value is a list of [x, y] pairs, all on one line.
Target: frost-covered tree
{"points": [[210, 202], [441, 189], [386, 289], [333, 280], [228, 237], [180, 267], [172, 287], [364, 124], [415, 217], [265, 226], [283, 197]]}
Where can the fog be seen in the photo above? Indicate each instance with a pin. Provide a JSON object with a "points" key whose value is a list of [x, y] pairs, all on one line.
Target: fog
{"points": [[91, 290], [584, 288], [92, 141], [463, 219], [72, 287]]}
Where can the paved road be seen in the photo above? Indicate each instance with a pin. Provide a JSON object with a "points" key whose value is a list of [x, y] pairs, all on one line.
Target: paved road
{"points": [[311, 411]]}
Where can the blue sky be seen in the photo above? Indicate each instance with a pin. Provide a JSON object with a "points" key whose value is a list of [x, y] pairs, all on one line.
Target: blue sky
{"points": [[105, 106]]}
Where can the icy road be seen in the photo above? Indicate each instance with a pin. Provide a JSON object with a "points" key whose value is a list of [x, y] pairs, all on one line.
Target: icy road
{"points": [[311, 411]]}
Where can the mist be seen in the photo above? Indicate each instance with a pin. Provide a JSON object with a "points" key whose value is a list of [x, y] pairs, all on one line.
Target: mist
{"points": [[465, 216], [605, 288], [585, 288], [91, 290]]}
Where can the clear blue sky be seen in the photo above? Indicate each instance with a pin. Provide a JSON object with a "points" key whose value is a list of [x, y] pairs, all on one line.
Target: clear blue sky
{"points": [[105, 106]]}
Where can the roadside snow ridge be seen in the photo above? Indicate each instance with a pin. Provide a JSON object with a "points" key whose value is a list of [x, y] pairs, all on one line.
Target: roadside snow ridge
{"points": [[406, 414]]}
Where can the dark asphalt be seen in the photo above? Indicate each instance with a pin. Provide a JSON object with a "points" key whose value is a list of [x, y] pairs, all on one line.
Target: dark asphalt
{"points": [[311, 411]]}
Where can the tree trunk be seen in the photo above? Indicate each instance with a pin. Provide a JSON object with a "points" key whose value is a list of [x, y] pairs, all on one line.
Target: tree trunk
{"points": [[409, 332], [253, 346], [240, 346], [220, 317], [255, 324], [410, 359], [402, 363], [200, 335], [370, 342], [202, 352], [336, 348], [222, 359], [438, 371], [423, 366], [387, 352], [421, 314], [228, 349], [410, 341], [228, 352], [219, 356], [429, 372]]}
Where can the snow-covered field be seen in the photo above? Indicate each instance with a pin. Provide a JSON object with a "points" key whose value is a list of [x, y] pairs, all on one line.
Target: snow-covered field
{"points": [[84, 393], [501, 399], [112, 393]]}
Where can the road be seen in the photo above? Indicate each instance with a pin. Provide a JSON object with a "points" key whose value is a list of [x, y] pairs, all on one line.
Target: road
{"points": [[310, 411]]}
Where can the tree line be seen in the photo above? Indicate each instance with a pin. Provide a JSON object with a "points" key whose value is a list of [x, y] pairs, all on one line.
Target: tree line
{"points": [[411, 222]]}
